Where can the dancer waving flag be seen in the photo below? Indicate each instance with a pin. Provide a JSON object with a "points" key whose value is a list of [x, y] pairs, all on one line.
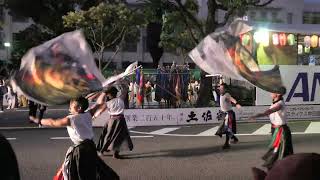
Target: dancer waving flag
{"points": [[222, 53], [229, 126], [81, 161], [63, 70], [115, 133], [281, 142], [60, 70]]}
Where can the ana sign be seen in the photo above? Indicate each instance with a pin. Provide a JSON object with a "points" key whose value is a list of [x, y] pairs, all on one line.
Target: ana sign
{"points": [[302, 83]]}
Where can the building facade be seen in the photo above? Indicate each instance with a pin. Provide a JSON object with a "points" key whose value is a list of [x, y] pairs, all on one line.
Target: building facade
{"points": [[10, 25]]}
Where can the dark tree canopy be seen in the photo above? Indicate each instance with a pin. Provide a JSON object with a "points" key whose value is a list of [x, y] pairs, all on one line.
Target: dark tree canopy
{"points": [[30, 37], [48, 12], [153, 40]]}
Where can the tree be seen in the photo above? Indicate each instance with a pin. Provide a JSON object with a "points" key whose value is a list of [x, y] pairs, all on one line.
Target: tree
{"points": [[28, 38], [47, 23], [182, 29], [153, 13], [176, 32], [47, 13], [105, 25]]}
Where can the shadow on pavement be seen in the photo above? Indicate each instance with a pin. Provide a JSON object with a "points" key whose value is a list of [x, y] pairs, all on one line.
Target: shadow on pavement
{"points": [[201, 151]]}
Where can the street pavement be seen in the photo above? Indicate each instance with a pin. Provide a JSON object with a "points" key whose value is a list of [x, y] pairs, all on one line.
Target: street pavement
{"points": [[160, 153]]}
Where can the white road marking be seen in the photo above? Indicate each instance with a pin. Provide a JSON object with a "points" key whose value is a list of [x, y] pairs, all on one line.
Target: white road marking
{"points": [[11, 139], [59, 138], [63, 138], [209, 132], [26, 110], [10, 128], [164, 130], [265, 129], [141, 136], [197, 135], [314, 127]]}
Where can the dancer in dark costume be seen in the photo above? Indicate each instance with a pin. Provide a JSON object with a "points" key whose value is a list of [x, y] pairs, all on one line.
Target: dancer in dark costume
{"points": [[281, 142], [228, 126], [115, 133], [82, 161]]}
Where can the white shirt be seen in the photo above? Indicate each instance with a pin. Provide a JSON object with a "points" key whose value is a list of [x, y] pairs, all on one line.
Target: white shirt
{"points": [[280, 117], [115, 106], [225, 102], [80, 127]]}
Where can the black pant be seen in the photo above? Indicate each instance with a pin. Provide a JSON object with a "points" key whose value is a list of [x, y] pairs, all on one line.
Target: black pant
{"points": [[86, 165], [33, 107], [1, 102]]}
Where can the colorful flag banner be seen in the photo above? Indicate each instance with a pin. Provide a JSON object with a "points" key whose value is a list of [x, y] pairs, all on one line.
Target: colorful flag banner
{"points": [[223, 53], [129, 70], [140, 93], [61, 69]]}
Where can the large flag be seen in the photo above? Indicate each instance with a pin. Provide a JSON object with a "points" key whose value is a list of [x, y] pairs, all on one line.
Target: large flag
{"points": [[113, 79], [222, 53], [61, 69]]}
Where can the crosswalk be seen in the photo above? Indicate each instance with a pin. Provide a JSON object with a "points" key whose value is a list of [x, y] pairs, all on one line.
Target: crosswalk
{"points": [[314, 127], [261, 129], [265, 129], [164, 130], [209, 132]]}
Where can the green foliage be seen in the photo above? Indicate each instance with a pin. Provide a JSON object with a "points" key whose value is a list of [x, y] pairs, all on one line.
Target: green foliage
{"points": [[175, 33], [234, 3], [181, 26], [46, 14], [105, 25], [239, 7], [154, 9]]}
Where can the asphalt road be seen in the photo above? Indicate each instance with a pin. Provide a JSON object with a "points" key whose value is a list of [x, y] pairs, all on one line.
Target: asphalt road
{"points": [[40, 151]]}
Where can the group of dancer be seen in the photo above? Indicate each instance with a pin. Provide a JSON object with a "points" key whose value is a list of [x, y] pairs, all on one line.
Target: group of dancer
{"points": [[82, 160], [281, 142]]}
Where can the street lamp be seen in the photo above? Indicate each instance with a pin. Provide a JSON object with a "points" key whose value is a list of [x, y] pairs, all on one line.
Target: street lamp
{"points": [[7, 45]]}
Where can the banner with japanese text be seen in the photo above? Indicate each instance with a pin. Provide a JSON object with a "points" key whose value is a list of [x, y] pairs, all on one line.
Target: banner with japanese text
{"points": [[188, 116], [158, 117]]}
